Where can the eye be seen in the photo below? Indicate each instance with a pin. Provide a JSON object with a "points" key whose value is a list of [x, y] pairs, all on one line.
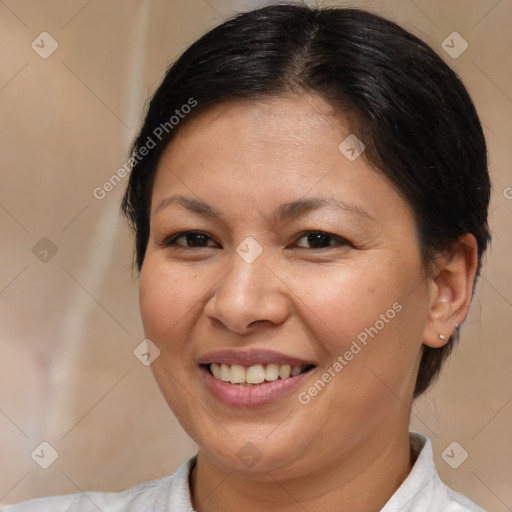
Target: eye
{"points": [[191, 240], [320, 240]]}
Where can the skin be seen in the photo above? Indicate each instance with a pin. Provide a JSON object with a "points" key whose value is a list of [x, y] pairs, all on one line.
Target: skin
{"points": [[348, 448]]}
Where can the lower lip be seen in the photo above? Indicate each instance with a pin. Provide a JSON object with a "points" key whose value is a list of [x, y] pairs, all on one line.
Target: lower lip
{"points": [[252, 396]]}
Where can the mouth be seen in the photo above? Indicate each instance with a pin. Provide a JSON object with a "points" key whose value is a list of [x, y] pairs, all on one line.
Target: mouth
{"points": [[253, 378], [256, 374], [256, 384]]}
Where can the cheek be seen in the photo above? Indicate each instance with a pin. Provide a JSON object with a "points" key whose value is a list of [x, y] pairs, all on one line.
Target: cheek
{"points": [[342, 304], [372, 317], [372, 321], [166, 294]]}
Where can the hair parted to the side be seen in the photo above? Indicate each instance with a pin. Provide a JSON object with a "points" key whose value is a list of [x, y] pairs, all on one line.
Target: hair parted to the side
{"points": [[410, 109]]}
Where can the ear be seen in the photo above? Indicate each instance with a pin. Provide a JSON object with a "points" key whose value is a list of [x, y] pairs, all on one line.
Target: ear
{"points": [[451, 290]]}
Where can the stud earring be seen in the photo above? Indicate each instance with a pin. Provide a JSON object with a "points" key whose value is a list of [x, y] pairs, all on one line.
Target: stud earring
{"points": [[442, 337]]}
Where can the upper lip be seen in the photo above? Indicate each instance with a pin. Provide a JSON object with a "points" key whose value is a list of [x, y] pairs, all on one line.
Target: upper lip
{"points": [[251, 357]]}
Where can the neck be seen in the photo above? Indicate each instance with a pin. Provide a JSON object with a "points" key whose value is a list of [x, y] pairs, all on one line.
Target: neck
{"points": [[362, 480]]}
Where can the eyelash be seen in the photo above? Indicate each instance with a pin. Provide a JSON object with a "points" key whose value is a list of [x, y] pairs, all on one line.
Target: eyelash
{"points": [[339, 242]]}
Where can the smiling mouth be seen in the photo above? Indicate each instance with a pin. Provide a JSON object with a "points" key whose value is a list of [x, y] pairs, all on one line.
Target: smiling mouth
{"points": [[255, 375]]}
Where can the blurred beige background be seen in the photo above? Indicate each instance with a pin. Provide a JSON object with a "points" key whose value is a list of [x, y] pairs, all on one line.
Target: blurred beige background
{"points": [[68, 299]]}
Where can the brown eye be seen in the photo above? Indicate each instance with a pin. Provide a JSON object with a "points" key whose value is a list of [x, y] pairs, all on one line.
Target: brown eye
{"points": [[320, 240], [191, 239]]}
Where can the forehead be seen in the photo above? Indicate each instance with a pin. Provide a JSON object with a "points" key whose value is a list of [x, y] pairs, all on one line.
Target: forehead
{"points": [[252, 153], [277, 136]]}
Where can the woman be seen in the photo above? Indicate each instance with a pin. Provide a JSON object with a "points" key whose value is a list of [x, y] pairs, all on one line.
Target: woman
{"points": [[309, 199]]}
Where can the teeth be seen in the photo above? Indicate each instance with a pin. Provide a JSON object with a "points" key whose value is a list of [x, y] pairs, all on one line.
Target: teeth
{"points": [[237, 374], [295, 370], [224, 372], [284, 371], [256, 374], [215, 369], [272, 372]]}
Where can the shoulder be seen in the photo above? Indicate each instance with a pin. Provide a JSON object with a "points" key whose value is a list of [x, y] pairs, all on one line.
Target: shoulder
{"points": [[135, 498], [459, 503], [423, 489], [168, 493]]}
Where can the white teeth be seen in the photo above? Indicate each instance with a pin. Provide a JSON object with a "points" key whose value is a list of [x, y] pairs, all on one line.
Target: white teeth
{"points": [[237, 374], [272, 372], [255, 374], [224, 372], [284, 371], [215, 369]]}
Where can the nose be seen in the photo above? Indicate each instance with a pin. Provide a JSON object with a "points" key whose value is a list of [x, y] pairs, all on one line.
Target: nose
{"points": [[249, 294]]}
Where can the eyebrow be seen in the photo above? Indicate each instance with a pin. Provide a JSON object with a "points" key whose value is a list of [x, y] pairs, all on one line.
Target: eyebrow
{"points": [[284, 212]]}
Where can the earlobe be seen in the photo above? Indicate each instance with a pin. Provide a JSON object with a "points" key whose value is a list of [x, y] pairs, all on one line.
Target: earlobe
{"points": [[451, 291]]}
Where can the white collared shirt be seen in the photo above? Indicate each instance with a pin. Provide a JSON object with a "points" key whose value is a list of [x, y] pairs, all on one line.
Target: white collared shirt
{"points": [[421, 491]]}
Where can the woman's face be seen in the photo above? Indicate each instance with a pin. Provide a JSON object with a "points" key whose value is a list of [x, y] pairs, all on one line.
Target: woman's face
{"points": [[299, 256]]}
